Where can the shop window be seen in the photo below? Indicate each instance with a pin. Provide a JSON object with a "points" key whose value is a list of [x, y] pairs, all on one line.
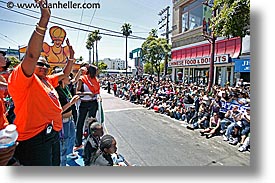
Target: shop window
{"points": [[195, 17], [185, 22], [192, 15]]}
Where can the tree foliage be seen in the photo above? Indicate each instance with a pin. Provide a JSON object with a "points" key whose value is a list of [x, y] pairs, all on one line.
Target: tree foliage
{"points": [[154, 51], [232, 19], [90, 44], [102, 66], [14, 61], [96, 37], [126, 31]]}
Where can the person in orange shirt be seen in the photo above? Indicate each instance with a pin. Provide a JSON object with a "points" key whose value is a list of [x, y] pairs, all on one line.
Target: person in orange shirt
{"points": [[37, 108], [88, 88], [3, 86], [5, 153], [4, 74]]}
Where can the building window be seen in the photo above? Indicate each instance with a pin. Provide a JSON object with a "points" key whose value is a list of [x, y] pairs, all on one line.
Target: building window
{"points": [[192, 15]]}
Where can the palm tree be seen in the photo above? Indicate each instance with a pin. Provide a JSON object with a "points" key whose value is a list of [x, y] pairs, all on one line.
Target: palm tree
{"points": [[126, 31], [153, 33], [90, 45], [96, 37]]}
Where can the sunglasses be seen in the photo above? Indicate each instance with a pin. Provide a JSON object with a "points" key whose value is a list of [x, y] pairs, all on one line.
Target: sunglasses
{"points": [[42, 64]]}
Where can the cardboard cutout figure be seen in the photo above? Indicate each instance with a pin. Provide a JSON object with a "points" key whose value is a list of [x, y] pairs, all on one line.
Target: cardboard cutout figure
{"points": [[56, 53]]}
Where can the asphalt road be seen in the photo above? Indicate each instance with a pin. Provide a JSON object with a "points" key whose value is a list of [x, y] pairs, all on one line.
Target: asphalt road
{"points": [[146, 138]]}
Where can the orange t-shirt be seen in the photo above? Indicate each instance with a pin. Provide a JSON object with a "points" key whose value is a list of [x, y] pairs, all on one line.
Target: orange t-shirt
{"points": [[35, 104], [92, 83], [3, 90], [3, 120]]}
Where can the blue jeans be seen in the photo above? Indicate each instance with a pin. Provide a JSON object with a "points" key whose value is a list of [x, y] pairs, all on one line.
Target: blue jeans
{"points": [[229, 130], [225, 123], [204, 124], [67, 139]]}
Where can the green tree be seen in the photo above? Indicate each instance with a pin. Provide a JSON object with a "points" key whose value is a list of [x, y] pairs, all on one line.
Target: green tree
{"points": [[154, 51], [147, 67], [14, 61], [90, 45], [96, 37], [232, 19], [102, 66], [126, 31], [153, 33]]}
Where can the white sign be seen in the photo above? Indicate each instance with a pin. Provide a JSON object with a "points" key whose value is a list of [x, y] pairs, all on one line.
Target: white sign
{"points": [[219, 59]]}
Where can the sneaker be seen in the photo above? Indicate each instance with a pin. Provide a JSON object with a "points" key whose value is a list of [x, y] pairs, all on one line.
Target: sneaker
{"points": [[225, 138], [202, 133], [242, 149], [222, 131], [78, 147], [209, 136], [190, 128], [234, 141], [72, 156]]}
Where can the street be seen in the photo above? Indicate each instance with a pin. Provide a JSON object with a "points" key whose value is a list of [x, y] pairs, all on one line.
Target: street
{"points": [[146, 138]]}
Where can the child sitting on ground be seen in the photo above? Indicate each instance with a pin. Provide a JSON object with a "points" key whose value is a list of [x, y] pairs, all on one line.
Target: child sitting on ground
{"points": [[91, 147]]}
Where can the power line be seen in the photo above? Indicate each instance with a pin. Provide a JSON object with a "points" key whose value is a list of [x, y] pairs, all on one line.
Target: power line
{"points": [[8, 41], [79, 26], [9, 38], [121, 36], [90, 23], [4, 20], [108, 30]]}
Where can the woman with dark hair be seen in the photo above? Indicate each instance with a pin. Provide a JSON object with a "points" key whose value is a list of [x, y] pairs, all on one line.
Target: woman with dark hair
{"points": [[88, 88], [67, 134]]}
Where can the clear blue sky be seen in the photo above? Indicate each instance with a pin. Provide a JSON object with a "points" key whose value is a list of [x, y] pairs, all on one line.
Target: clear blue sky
{"points": [[112, 14]]}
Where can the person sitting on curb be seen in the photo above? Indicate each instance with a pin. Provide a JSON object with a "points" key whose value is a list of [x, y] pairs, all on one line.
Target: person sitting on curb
{"points": [[107, 147], [214, 126], [246, 126], [230, 117], [203, 119], [91, 147]]}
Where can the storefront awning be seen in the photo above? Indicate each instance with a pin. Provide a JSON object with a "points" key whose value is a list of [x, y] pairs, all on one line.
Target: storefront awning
{"points": [[231, 46]]}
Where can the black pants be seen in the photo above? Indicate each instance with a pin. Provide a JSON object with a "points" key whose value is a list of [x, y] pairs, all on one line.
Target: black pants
{"points": [[84, 108], [74, 112], [40, 150]]}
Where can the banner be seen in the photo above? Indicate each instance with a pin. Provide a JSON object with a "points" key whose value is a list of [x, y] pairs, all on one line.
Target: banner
{"points": [[228, 106]]}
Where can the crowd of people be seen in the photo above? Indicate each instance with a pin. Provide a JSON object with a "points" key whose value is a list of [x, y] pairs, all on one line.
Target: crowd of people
{"points": [[225, 111], [50, 111], [49, 123]]}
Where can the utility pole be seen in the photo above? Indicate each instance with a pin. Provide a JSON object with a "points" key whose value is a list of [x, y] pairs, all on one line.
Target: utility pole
{"points": [[212, 39], [167, 32]]}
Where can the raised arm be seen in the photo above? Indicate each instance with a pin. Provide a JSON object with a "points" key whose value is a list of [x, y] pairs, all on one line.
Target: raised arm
{"points": [[71, 59], [36, 40], [78, 74]]}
